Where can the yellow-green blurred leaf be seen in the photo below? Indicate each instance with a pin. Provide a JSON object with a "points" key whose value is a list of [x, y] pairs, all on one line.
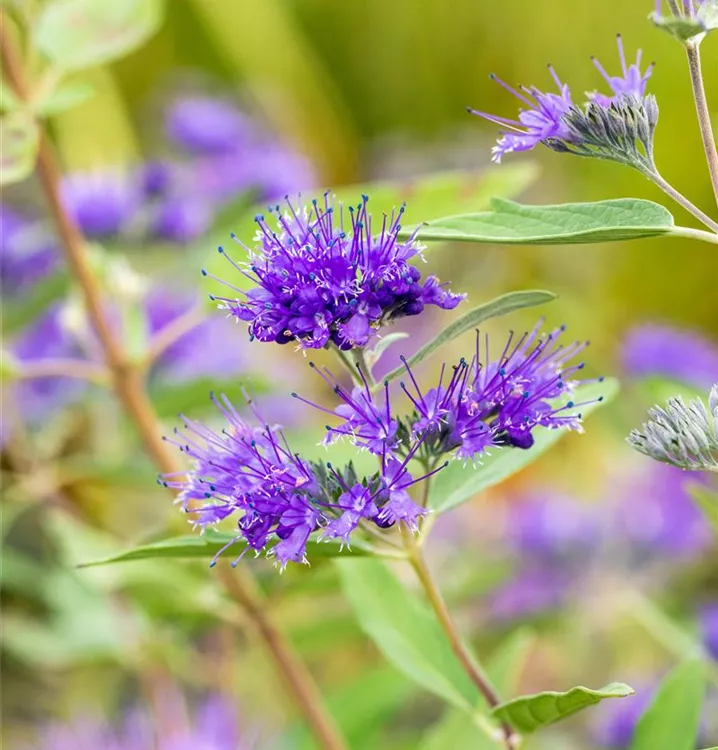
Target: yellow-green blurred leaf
{"points": [[76, 34], [19, 135]]}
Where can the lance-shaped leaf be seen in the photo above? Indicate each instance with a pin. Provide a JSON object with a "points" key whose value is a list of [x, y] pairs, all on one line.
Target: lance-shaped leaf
{"points": [[458, 482], [512, 223], [503, 305], [673, 719], [210, 543], [405, 631], [532, 712]]}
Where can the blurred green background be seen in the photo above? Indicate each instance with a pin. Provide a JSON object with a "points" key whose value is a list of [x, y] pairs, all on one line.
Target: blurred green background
{"points": [[368, 90], [380, 89]]}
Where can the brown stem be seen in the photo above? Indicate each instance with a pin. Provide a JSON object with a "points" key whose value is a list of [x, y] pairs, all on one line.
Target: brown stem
{"points": [[299, 681], [704, 118], [472, 669], [130, 389]]}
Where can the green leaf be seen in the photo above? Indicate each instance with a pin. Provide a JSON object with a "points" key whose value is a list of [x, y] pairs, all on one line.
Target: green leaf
{"points": [[405, 631], [76, 34], [682, 28], [458, 483], [673, 719], [20, 139], [503, 305], [531, 712], [171, 397], [64, 97], [512, 223], [707, 501], [211, 542], [457, 730]]}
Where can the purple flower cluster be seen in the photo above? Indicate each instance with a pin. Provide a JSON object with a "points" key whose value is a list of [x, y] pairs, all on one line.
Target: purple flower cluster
{"points": [[482, 404], [544, 118], [213, 726], [324, 277], [280, 498], [220, 154]]}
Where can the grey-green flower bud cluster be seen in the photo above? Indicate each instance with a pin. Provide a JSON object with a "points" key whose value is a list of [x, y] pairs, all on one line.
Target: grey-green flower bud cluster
{"points": [[622, 131], [683, 435]]}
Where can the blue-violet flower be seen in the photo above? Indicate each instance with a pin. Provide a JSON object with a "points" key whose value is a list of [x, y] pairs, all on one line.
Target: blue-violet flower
{"points": [[320, 278]]}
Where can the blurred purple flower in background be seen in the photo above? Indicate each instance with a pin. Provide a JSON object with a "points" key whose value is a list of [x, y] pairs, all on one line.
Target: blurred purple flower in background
{"points": [[104, 202], [615, 722], [206, 124], [180, 362], [656, 516], [708, 618], [180, 218], [220, 155], [54, 336], [213, 726], [686, 356], [549, 527], [225, 153], [37, 399], [533, 591], [553, 536], [27, 251]]}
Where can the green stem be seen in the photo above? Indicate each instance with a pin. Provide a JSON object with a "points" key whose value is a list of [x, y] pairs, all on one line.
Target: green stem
{"points": [[436, 600], [472, 668], [694, 234]]}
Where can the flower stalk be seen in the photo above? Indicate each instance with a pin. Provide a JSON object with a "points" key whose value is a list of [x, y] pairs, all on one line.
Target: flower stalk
{"points": [[704, 118], [417, 561], [129, 387], [660, 182]]}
